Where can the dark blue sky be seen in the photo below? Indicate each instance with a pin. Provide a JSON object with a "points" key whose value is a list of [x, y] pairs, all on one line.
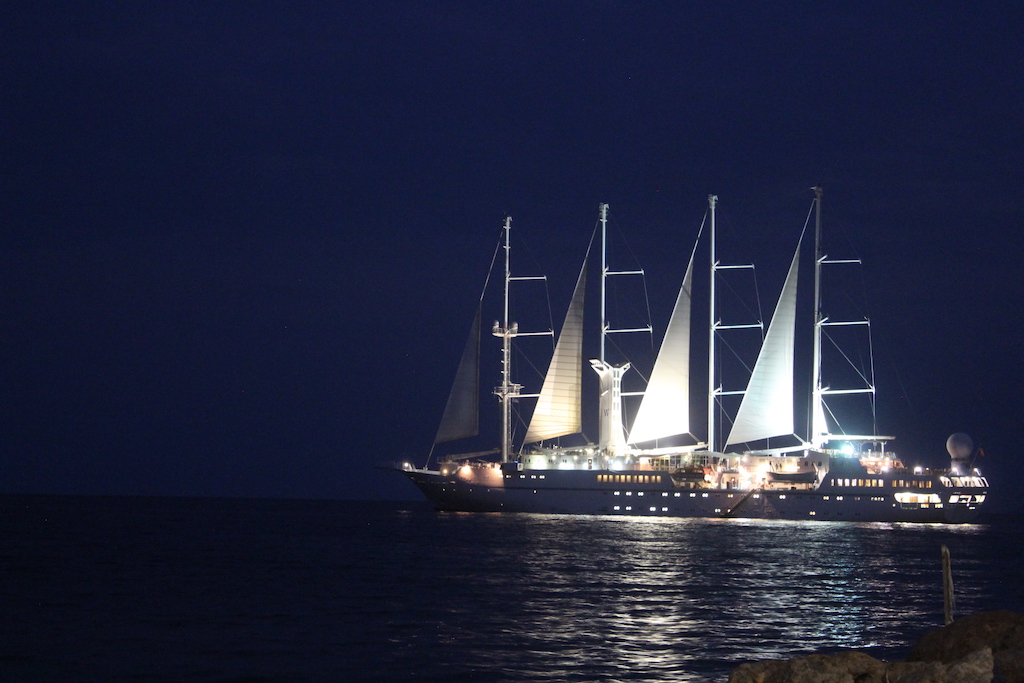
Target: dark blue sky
{"points": [[242, 242]]}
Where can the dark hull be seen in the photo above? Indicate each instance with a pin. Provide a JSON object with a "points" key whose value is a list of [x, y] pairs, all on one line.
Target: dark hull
{"points": [[577, 493]]}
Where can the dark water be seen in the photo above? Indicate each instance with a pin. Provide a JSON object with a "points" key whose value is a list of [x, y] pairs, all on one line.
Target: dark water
{"points": [[163, 589]]}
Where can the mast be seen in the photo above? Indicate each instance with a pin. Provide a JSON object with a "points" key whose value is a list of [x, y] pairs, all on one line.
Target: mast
{"points": [[712, 200], [508, 390], [817, 429], [604, 275], [820, 432], [612, 437]]}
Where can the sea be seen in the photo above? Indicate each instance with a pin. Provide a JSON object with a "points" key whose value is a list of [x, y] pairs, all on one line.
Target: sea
{"points": [[201, 589]]}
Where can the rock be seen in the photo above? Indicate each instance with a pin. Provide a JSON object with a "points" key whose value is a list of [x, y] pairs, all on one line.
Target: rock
{"points": [[1009, 666], [1002, 631], [981, 648], [975, 667], [845, 667], [856, 667]]}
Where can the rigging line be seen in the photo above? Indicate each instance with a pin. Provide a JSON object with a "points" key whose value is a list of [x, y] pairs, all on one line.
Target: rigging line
{"points": [[628, 360], [739, 299], [735, 354], [903, 388], [720, 401], [849, 361], [551, 317], [650, 322], [871, 359], [521, 357], [835, 419], [807, 221], [757, 297], [622, 235], [536, 264], [494, 259]]}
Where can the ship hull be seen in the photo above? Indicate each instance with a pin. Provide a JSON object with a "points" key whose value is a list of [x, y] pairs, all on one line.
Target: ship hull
{"points": [[603, 493]]}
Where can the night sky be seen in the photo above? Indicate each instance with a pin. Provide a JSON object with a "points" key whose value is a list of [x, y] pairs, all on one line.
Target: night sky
{"points": [[242, 242]]}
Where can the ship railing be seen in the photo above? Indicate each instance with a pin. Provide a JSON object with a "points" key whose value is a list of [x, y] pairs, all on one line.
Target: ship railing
{"points": [[470, 457]]}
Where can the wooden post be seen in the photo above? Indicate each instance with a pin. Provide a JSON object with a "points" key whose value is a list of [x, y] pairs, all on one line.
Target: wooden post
{"points": [[947, 586]]}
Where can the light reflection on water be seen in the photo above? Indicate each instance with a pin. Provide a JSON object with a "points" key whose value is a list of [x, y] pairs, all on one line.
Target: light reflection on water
{"points": [[593, 598], [222, 589]]}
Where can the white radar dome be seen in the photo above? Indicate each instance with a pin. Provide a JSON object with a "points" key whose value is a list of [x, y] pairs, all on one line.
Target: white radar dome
{"points": [[959, 446]]}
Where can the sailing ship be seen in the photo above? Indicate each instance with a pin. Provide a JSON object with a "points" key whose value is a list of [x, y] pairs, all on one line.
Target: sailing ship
{"points": [[827, 476]]}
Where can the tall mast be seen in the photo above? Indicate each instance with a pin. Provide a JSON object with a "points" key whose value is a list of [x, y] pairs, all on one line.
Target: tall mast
{"points": [[816, 408], [612, 437], [508, 390], [712, 200], [604, 275]]}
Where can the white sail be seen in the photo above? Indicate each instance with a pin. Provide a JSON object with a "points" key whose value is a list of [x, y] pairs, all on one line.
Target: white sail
{"points": [[461, 414], [767, 406], [664, 409], [558, 410]]}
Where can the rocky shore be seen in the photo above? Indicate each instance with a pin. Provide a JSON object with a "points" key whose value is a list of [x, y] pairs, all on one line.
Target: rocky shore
{"points": [[980, 648]]}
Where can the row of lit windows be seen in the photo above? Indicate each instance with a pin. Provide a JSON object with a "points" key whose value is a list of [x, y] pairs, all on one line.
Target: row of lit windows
{"points": [[905, 483], [965, 481], [629, 478], [858, 482]]}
